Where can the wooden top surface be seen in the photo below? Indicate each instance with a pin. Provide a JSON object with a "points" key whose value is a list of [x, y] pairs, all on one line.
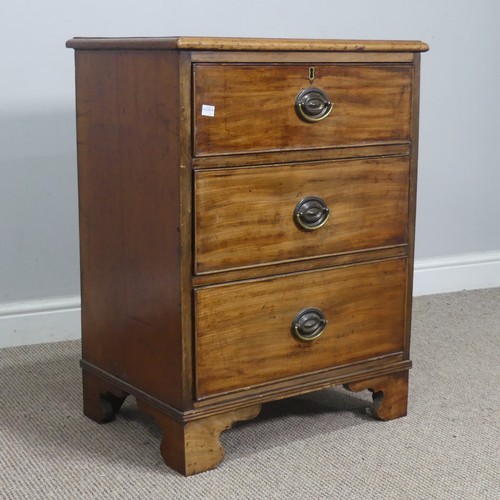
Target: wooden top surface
{"points": [[249, 44]]}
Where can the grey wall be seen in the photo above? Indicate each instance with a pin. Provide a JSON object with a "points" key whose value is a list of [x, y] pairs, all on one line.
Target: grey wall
{"points": [[38, 205], [458, 208]]}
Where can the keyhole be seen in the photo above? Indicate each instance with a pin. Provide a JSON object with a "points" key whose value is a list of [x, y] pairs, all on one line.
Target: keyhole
{"points": [[312, 72]]}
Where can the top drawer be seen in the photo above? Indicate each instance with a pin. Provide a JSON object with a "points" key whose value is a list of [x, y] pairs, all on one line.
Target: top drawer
{"points": [[255, 106]]}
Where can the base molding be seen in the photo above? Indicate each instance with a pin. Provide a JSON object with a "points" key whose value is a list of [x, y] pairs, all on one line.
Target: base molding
{"points": [[191, 446], [39, 321], [456, 273], [278, 390], [57, 319]]}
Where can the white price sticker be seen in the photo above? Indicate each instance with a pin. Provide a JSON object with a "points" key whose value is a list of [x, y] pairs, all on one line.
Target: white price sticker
{"points": [[207, 110]]}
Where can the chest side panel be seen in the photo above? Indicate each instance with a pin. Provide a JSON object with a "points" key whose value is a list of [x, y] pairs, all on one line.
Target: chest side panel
{"points": [[128, 157]]}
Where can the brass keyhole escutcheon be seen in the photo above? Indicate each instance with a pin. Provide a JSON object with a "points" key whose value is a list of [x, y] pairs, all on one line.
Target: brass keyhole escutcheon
{"points": [[312, 74]]}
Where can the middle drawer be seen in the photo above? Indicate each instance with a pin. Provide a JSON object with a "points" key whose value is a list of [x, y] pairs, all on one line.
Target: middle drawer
{"points": [[259, 215]]}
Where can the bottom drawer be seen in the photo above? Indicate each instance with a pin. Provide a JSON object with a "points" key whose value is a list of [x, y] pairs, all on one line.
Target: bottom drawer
{"points": [[245, 336]]}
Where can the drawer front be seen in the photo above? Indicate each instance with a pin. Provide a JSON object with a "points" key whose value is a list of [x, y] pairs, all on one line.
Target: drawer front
{"points": [[246, 216], [254, 106], [244, 334]]}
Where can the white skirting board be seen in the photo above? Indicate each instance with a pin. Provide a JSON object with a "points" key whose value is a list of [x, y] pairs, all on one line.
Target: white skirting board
{"points": [[53, 320], [456, 273], [39, 321]]}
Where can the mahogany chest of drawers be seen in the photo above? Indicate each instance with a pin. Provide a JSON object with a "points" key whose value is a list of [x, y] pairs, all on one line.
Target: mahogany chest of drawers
{"points": [[247, 211]]}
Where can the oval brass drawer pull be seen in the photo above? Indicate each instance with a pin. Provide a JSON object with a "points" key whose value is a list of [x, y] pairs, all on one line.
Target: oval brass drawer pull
{"points": [[309, 324], [311, 213], [313, 105]]}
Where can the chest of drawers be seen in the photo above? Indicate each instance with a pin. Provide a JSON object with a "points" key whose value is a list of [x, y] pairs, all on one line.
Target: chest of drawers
{"points": [[247, 212]]}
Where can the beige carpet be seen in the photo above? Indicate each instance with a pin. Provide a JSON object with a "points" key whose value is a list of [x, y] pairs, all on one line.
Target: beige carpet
{"points": [[318, 446]]}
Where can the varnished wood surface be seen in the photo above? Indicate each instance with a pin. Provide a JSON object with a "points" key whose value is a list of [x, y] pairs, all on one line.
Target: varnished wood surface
{"points": [[301, 264], [128, 167], [194, 447], [101, 400], [283, 388], [255, 106], [304, 155], [202, 351], [390, 394], [185, 229], [243, 330], [303, 384], [412, 201], [265, 44], [227, 56], [244, 217]]}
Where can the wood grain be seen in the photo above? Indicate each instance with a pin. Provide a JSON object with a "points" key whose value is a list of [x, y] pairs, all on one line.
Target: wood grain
{"points": [[101, 400], [228, 56], [304, 264], [255, 106], [128, 174], [283, 388], [240, 44], [319, 154], [185, 225], [194, 447], [192, 267], [412, 200], [244, 216], [294, 386], [243, 330], [390, 394]]}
